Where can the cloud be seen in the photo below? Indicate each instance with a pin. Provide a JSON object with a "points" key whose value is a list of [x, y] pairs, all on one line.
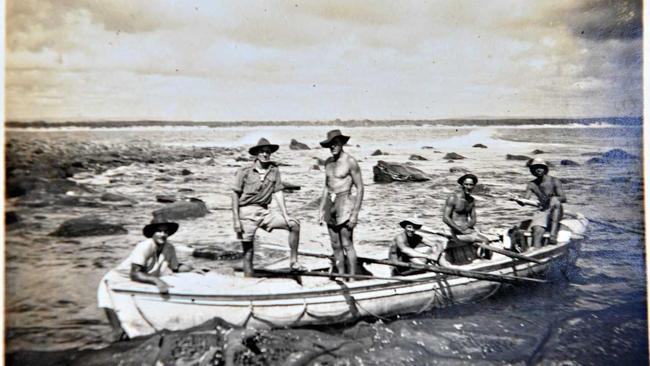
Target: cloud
{"points": [[606, 19]]}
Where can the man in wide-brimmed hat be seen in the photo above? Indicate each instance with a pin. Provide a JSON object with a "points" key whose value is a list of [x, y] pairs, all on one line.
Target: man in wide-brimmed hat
{"points": [[253, 190], [408, 246], [150, 259], [550, 194], [460, 215], [340, 207]]}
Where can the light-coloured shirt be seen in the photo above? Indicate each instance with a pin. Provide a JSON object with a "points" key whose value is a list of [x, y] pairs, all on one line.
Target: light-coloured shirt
{"points": [[144, 254], [254, 188]]}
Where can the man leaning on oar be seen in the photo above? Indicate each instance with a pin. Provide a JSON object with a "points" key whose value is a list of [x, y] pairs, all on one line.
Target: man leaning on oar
{"points": [[408, 246], [550, 194]]}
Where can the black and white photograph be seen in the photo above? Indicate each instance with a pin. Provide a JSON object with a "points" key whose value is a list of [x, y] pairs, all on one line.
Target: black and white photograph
{"points": [[340, 182]]}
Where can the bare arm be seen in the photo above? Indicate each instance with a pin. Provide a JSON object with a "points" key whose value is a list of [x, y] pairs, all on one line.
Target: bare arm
{"points": [[400, 241], [448, 212], [139, 275], [323, 201], [355, 172], [235, 212], [559, 191]]}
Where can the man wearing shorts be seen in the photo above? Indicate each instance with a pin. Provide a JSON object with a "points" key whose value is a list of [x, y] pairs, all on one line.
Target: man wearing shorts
{"points": [[550, 195], [408, 246], [339, 207], [460, 215], [253, 190]]}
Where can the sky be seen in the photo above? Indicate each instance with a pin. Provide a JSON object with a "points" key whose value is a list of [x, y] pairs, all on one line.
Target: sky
{"points": [[321, 60]]}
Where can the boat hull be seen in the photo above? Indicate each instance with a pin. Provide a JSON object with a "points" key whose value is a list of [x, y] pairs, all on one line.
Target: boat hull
{"points": [[268, 303]]}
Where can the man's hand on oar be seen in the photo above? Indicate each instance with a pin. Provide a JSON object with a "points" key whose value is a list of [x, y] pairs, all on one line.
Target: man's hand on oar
{"points": [[507, 253]]}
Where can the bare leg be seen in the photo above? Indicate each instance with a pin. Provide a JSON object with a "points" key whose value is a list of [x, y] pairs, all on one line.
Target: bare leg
{"points": [[348, 247], [116, 330], [294, 240], [556, 216], [339, 256], [247, 247], [538, 236]]}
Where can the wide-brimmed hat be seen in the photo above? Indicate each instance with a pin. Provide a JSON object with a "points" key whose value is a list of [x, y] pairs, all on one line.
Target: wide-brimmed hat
{"points": [[537, 162], [263, 143], [416, 223], [332, 135], [158, 222], [465, 176]]}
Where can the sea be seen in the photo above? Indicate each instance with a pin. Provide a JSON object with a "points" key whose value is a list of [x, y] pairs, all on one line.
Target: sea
{"points": [[593, 310]]}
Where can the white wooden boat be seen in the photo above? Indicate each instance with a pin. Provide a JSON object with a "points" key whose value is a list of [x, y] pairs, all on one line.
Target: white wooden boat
{"points": [[282, 302]]}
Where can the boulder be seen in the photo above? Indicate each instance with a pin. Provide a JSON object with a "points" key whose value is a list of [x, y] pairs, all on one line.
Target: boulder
{"points": [[113, 197], [186, 172], [458, 169], [567, 162], [453, 156], [417, 157], [428, 147], [19, 186], [517, 157], [295, 145], [480, 146], [288, 187], [165, 198], [537, 152], [596, 161], [385, 172], [191, 208], [377, 153], [88, 226], [618, 155], [315, 167]]}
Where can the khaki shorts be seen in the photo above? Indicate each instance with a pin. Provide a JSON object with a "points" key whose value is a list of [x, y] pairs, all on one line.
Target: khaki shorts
{"points": [[541, 218], [255, 216]]}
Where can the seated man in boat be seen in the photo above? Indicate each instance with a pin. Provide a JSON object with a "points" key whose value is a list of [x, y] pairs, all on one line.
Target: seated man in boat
{"points": [[410, 247], [339, 207], [460, 215], [149, 259], [550, 194], [252, 192]]}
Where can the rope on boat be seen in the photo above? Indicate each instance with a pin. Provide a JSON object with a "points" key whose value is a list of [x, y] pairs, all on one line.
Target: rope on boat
{"points": [[135, 303], [439, 295], [357, 304]]}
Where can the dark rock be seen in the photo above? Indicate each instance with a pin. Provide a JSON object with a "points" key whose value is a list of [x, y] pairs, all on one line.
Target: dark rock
{"points": [[417, 157], [537, 152], [567, 162], [186, 172], [617, 155], [295, 145], [315, 167], [458, 169], [185, 190], [11, 217], [88, 226], [182, 210], [481, 146], [385, 172], [596, 161], [377, 153], [113, 197], [453, 156], [165, 198], [288, 187], [517, 157], [19, 186], [244, 158], [164, 179], [428, 147]]}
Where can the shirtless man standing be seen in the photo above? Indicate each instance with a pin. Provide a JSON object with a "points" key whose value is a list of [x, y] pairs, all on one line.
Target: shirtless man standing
{"points": [[550, 194], [460, 216], [339, 208]]}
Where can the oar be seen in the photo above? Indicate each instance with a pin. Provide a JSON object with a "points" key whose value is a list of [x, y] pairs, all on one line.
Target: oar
{"points": [[507, 253], [275, 272], [576, 216], [437, 269]]}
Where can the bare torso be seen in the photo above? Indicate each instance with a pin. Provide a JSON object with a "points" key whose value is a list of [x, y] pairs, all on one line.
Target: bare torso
{"points": [[462, 209], [338, 174], [544, 189]]}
